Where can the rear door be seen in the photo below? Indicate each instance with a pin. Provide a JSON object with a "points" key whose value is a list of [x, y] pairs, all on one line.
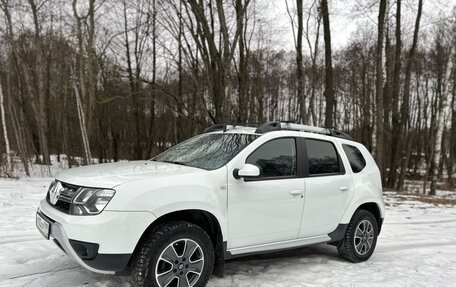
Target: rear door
{"points": [[328, 185]]}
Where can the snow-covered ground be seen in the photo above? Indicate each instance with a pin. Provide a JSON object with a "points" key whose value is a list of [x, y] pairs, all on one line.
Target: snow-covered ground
{"points": [[417, 247]]}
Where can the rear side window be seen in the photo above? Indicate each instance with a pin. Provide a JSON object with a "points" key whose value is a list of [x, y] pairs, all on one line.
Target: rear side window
{"points": [[276, 158], [322, 157], [355, 157]]}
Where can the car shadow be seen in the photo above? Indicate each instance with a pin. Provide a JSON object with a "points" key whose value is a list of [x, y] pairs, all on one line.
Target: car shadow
{"points": [[320, 253]]}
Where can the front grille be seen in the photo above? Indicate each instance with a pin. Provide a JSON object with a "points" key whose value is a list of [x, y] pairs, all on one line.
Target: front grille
{"points": [[66, 196]]}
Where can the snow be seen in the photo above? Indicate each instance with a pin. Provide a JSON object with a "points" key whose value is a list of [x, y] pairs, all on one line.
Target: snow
{"points": [[417, 247]]}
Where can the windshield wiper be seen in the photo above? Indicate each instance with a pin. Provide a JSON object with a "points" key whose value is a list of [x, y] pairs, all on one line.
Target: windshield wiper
{"points": [[175, 162]]}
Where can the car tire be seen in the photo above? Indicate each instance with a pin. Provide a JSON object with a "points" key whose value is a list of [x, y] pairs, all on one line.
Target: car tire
{"points": [[186, 244], [360, 237]]}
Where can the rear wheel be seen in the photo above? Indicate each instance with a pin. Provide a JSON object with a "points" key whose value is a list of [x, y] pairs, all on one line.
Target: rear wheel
{"points": [[177, 254], [360, 238]]}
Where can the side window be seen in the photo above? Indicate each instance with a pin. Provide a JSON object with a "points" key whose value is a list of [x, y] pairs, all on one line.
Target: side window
{"points": [[322, 156], [275, 158], [355, 157]]}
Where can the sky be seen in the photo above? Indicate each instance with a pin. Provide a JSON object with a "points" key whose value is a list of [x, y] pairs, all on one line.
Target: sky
{"points": [[347, 15]]}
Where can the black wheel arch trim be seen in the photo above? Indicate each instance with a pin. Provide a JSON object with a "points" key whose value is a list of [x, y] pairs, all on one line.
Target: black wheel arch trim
{"points": [[109, 262], [205, 220]]}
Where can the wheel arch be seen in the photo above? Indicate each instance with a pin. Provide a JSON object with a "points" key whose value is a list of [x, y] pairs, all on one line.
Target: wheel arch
{"points": [[373, 208], [202, 218]]}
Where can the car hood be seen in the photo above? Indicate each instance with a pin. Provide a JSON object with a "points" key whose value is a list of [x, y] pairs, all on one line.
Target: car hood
{"points": [[109, 175]]}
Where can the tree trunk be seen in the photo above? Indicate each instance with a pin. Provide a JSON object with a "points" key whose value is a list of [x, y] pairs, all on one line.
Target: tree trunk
{"points": [[452, 156], [299, 63], [401, 148], [84, 96], [82, 123], [395, 100], [151, 141], [314, 74], [243, 73], [9, 166], [41, 91], [329, 81], [134, 89], [92, 69], [379, 83], [442, 112]]}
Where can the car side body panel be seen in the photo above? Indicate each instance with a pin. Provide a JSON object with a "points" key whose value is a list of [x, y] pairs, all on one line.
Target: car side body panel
{"points": [[262, 211], [367, 185], [203, 190], [327, 197]]}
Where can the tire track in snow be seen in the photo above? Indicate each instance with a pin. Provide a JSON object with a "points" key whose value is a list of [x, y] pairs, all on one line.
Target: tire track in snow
{"points": [[387, 248], [422, 222], [21, 240], [43, 273]]}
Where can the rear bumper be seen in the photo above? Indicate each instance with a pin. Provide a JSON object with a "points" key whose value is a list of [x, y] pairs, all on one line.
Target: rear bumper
{"points": [[380, 224], [102, 243]]}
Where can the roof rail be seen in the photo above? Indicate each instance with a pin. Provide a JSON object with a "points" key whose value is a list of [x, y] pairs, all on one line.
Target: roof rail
{"points": [[226, 127], [277, 126], [340, 134], [215, 128]]}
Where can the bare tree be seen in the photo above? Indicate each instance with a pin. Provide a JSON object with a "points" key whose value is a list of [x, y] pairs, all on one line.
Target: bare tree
{"points": [[442, 112], [133, 77], [299, 62], [313, 49], [39, 104], [379, 82], [451, 170], [329, 81], [85, 118], [405, 107], [9, 166], [395, 98], [82, 123], [216, 57]]}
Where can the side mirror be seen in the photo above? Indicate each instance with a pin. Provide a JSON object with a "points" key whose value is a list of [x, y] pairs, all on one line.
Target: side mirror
{"points": [[248, 170]]}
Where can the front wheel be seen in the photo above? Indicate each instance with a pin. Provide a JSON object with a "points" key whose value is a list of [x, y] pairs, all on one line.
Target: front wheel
{"points": [[360, 238], [177, 254]]}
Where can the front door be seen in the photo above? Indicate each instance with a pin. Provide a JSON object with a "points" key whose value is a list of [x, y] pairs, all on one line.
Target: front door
{"points": [[267, 209]]}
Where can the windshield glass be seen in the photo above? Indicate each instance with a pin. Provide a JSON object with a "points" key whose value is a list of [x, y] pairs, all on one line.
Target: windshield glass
{"points": [[207, 151]]}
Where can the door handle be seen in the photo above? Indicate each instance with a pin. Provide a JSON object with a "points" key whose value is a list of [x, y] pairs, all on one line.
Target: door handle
{"points": [[344, 188], [296, 192]]}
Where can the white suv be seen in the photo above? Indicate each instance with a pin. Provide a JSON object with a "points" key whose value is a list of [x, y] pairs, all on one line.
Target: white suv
{"points": [[231, 191]]}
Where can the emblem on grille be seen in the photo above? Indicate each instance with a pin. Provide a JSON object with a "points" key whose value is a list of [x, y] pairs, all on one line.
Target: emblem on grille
{"points": [[54, 193]]}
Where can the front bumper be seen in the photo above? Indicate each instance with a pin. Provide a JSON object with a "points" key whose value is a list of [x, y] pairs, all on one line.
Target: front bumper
{"points": [[102, 243], [57, 234]]}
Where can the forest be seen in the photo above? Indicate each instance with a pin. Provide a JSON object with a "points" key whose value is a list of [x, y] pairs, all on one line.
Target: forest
{"points": [[124, 80]]}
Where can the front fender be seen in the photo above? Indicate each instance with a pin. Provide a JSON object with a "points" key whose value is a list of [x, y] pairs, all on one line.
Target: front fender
{"points": [[205, 190]]}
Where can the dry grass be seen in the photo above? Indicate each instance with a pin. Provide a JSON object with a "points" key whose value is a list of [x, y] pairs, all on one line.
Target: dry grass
{"points": [[442, 185], [421, 198]]}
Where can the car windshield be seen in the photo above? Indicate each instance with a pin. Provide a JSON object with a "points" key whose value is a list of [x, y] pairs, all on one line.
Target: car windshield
{"points": [[207, 151]]}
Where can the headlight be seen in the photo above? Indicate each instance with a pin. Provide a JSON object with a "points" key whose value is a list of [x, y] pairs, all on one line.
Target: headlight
{"points": [[90, 201], [53, 182]]}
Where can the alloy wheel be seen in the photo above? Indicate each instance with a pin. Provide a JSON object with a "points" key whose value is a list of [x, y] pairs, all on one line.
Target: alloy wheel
{"points": [[364, 237], [180, 264]]}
